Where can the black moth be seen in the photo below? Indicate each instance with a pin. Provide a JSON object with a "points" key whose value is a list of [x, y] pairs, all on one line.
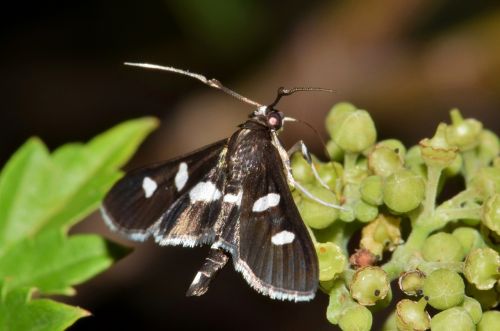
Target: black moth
{"points": [[233, 194]]}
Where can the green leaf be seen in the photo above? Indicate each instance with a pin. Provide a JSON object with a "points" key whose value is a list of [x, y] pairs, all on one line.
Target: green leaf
{"points": [[19, 313], [51, 262], [41, 196], [39, 191]]}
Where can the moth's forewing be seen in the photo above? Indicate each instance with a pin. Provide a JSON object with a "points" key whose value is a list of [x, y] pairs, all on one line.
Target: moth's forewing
{"points": [[141, 199]]}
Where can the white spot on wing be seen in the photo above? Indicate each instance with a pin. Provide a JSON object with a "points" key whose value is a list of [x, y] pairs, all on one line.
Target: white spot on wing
{"points": [[282, 238], [182, 176], [204, 191], [233, 198], [266, 202], [196, 279], [149, 186]]}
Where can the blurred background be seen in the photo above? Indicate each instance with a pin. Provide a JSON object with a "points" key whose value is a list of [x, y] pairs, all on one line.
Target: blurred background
{"points": [[61, 78]]}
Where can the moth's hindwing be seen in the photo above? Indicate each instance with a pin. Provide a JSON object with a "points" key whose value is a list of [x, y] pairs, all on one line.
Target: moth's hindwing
{"points": [[168, 200], [267, 238]]}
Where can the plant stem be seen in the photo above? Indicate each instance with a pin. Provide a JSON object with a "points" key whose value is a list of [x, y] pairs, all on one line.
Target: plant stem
{"points": [[457, 200], [453, 214], [424, 225], [470, 164], [433, 174], [350, 161], [403, 253]]}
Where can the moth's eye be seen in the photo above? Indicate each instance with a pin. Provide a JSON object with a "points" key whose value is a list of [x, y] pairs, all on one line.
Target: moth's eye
{"points": [[274, 120]]}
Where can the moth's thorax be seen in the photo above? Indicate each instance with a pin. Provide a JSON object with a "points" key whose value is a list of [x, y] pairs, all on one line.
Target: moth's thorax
{"points": [[246, 148]]}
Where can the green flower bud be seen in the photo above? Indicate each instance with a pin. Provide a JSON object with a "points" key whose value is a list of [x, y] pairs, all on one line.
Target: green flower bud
{"points": [[454, 168], [383, 303], [437, 151], [456, 319], [364, 212], [297, 198], [411, 282], [347, 214], [411, 315], [390, 322], [369, 285], [414, 161], [496, 162], [491, 213], [354, 132], [327, 285], [330, 173], [371, 190], [490, 238], [383, 161], [382, 234], [444, 289], [334, 151], [413, 156], [469, 238], [339, 301], [301, 170], [473, 307], [337, 114], [490, 321], [315, 215], [487, 298], [463, 133], [356, 318], [489, 147], [482, 268], [331, 260], [442, 247], [486, 182], [403, 191], [362, 164], [353, 176], [394, 144]]}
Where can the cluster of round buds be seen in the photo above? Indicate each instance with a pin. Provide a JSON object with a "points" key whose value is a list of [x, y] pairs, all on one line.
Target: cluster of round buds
{"points": [[445, 254]]}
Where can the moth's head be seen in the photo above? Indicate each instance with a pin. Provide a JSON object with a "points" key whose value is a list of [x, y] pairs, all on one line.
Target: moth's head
{"points": [[273, 119], [269, 117]]}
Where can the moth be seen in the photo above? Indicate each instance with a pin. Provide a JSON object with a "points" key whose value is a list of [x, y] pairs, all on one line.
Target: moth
{"points": [[234, 195]]}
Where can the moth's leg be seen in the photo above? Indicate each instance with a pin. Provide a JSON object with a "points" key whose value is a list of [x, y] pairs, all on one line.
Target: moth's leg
{"points": [[315, 198], [302, 148], [215, 260]]}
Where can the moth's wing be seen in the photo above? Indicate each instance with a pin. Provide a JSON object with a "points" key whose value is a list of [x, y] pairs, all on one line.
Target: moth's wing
{"points": [[150, 197], [269, 242]]}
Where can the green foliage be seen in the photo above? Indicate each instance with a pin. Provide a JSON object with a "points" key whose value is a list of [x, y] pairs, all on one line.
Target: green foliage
{"points": [[446, 254], [41, 196]]}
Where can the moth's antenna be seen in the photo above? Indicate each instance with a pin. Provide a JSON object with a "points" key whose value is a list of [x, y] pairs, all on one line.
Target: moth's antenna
{"points": [[283, 92], [210, 82]]}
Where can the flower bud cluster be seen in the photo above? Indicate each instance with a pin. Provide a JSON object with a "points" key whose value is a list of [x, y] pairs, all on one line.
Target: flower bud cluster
{"points": [[444, 252]]}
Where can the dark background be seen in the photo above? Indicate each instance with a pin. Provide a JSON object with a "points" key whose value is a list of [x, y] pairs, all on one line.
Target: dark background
{"points": [[61, 78]]}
